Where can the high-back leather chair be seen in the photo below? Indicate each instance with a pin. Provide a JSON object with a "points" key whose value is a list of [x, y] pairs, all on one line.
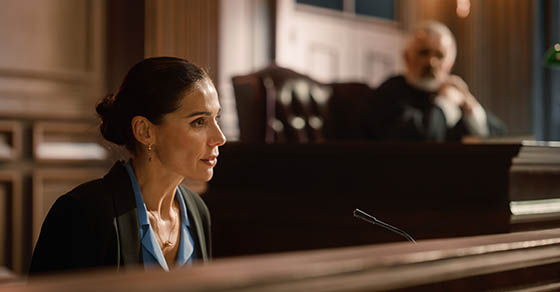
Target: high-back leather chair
{"points": [[278, 105]]}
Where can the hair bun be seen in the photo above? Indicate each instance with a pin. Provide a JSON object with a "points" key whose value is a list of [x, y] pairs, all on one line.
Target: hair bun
{"points": [[111, 123], [105, 106]]}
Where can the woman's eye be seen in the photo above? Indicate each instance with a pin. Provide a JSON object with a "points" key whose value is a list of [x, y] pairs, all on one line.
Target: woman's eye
{"points": [[198, 122]]}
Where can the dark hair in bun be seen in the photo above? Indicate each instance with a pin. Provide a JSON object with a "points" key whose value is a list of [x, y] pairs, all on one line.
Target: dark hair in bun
{"points": [[152, 88]]}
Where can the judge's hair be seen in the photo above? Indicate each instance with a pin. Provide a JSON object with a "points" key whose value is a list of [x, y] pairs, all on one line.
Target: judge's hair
{"points": [[435, 28]]}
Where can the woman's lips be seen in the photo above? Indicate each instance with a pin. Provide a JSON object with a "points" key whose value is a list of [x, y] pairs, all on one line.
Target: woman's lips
{"points": [[210, 161]]}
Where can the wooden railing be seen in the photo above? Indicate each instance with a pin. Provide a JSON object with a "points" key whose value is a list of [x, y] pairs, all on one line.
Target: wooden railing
{"points": [[528, 261]]}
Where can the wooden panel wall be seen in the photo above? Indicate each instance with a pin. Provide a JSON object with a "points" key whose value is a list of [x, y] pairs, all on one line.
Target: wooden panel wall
{"points": [[494, 52], [125, 39], [52, 72], [50, 68], [502, 72], [186, 29]]}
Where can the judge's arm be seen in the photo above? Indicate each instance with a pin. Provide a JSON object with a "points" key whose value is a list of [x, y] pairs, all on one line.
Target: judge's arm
{"points": [[457, 102]]}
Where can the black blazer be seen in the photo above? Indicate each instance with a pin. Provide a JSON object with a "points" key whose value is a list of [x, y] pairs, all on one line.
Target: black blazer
{"points": [[96, 225]]}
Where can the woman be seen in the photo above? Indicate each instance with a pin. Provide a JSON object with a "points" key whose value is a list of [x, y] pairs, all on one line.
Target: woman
{"points": [[165, 113]]}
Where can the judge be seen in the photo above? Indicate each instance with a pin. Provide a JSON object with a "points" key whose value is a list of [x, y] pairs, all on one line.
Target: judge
{"points": [[427, 102], [165, 114]]}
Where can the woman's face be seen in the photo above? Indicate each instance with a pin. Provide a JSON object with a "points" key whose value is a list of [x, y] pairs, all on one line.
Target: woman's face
{"points": [[187, 139]]}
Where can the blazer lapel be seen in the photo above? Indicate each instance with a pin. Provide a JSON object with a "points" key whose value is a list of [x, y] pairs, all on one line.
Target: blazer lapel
{"points": [[195, 219], [126, 216], [150, 243]]}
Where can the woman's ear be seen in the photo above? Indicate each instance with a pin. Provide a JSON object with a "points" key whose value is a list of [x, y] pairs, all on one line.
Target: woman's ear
{"points": [[143, 130]]}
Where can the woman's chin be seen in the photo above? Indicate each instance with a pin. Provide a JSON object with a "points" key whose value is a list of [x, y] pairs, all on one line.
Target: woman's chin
{"points": [[207, 176]]}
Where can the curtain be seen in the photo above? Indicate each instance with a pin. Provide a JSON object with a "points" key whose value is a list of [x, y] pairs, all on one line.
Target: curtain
{"points": [[546, 80]]}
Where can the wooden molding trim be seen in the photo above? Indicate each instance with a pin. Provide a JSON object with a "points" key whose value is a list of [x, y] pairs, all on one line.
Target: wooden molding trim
{"points": [[10, 148], [13, 180], [78, 142]]}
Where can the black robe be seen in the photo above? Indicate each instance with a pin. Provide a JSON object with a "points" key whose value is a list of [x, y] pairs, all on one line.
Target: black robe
{"points": [[402, 112]]}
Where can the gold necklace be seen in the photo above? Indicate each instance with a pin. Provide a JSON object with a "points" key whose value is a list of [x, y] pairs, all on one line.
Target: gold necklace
{"points": [[168, 242]]}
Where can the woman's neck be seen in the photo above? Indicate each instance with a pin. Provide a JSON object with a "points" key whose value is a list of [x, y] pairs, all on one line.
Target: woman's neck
{"points": [[158, 186]]}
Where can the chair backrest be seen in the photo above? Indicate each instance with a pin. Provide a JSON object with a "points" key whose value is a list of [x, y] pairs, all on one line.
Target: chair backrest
{"points": [[278, 105], [347, 109], [250, 99]]}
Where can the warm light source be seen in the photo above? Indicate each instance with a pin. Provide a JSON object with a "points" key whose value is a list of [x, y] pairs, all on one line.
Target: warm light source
{"points": [[463, 8]]}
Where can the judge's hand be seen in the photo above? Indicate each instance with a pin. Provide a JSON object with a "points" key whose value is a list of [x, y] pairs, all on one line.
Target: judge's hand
{"points": [[456, 90]]}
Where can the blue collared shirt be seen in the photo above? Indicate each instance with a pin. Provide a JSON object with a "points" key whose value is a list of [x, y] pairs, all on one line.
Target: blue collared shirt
{"points": [[151, 251]]}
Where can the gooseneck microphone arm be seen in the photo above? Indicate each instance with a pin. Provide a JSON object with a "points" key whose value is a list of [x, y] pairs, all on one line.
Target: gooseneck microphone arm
{"points": [[368, 218]]}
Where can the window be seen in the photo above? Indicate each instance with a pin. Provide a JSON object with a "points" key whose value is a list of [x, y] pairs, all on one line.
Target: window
{"points": [[384, 9], [330, 4], [378, 8]]}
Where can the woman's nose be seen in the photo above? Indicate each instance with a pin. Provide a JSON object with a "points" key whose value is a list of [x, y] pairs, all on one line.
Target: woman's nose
{"points": [[217, 138]]}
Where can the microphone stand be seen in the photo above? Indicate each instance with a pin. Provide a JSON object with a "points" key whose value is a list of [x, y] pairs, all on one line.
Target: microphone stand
{"points": [[368, 218]]}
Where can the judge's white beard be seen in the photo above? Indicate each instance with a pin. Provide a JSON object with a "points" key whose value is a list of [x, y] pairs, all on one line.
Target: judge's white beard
{"points": [[426, 83]]}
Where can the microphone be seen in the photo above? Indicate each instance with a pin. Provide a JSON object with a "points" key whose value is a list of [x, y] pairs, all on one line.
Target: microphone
{"points": [[368, 218]]}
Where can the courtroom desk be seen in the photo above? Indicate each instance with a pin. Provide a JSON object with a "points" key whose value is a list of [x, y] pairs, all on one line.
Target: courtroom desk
{"points": [[285, 197], [535, 186], [528, 261]]}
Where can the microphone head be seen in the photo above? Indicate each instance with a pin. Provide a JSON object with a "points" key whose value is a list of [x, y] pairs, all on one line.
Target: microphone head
{"points": [[363, 215]]}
